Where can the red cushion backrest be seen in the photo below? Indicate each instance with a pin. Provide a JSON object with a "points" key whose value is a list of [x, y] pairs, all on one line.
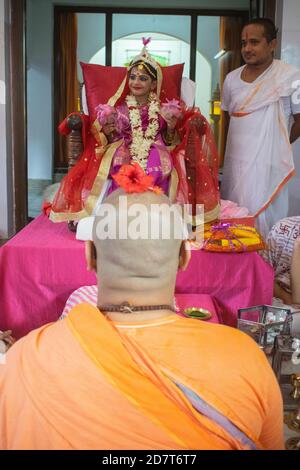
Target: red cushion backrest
{"points": [[171, 82], [102, 82]]}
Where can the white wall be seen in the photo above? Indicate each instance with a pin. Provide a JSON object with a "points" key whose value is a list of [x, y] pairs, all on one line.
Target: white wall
{"points": [[39, 88], [4, 170], [290, 47], [207, 67], [209, 43]]}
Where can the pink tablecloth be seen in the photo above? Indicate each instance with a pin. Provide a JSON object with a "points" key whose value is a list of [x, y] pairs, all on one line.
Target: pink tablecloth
{"points": [[235, 280], [43, 264]]}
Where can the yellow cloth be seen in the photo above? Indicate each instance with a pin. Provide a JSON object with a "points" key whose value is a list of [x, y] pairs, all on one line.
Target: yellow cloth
{"points": [[232, 237], [88, 383]]}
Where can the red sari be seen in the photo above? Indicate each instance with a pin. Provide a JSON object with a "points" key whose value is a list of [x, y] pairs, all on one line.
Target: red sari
{"points": [[193, 180]]}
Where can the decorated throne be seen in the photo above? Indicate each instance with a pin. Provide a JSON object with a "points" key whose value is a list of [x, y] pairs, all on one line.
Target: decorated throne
{"points": [[91, 92], [194, 171]]}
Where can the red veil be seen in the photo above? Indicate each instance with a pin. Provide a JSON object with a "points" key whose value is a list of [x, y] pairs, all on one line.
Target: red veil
{"points": [[77, 184], [196, 161]]}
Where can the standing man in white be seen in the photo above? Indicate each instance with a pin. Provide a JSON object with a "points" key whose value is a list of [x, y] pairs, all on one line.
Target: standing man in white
{"points": [[263, 102]]}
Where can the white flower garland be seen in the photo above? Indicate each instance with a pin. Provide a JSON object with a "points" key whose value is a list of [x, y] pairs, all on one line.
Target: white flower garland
{"points": [[142, 141]]}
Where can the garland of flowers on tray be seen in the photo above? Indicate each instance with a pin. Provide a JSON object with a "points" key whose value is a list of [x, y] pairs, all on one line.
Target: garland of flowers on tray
{"points": [[142, 141]]}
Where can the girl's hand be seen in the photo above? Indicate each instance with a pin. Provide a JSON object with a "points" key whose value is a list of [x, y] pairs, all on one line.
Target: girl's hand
{"points": [[171, 122], [109, 128]]}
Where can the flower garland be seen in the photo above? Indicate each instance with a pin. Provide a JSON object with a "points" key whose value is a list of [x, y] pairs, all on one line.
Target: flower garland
{"points": [[142, 141]]}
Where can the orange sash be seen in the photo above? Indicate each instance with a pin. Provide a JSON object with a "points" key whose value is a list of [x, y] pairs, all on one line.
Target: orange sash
{"points": [[128, 368]]}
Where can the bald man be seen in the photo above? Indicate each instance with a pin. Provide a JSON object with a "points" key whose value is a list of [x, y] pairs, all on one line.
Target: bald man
{"points": [[131, 374]]}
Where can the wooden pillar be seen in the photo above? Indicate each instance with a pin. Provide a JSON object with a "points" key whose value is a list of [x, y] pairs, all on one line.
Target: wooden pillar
{"points": [[16, 100]]}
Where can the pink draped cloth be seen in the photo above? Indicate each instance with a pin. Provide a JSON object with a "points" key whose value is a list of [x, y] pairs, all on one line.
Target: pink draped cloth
{"points": [[43, 264], [235, 280], [39, 268]]}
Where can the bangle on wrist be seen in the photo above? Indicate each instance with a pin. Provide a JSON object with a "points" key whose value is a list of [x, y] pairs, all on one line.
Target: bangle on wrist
{"points": [[169, 139], [171, 131], [170, 135]]}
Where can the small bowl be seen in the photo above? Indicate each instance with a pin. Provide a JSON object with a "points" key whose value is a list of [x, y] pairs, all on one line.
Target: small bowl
{"points": [[197, 312]]}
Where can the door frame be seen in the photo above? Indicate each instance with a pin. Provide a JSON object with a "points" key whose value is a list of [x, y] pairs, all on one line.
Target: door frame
{"points": [[15, 40]]}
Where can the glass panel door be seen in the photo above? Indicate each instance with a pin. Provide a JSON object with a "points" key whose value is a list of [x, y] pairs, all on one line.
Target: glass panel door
{"points": [[91, 39], [207, 66], [170, 35]]}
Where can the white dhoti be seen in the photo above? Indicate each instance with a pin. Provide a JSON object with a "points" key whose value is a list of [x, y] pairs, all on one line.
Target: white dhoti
{"points": [[259, 158]]}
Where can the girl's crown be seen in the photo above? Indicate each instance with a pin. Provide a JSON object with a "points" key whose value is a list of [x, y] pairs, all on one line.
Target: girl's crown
{"points": [[144, 59]]}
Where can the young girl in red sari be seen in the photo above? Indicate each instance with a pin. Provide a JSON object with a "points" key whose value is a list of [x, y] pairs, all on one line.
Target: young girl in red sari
{"points": [[173, 145]]}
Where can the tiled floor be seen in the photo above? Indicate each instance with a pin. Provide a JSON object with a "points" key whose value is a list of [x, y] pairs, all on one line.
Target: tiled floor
{"points": [[35, 196], [36, 192]]}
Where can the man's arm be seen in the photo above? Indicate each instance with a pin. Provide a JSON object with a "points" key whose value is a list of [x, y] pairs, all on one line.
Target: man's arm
{"points": [[225, 117], [280, 293], [225, 120], [7, 339], [295, 131], [90, 256], [295, 272]]}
